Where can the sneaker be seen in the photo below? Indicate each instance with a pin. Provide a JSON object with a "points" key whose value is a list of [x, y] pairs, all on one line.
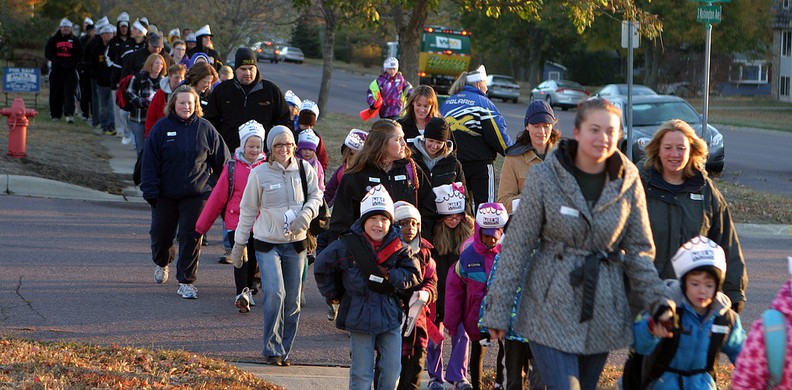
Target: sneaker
{"points": [[286, 362], [242, 302], [69, 119], [463, 385], [204, 241], [332, 311], [226, 257], [250, 298], [274, 361], [435, 385], [126, 140], [161, 274], [187, 291], [55, 119], [108, 132]]}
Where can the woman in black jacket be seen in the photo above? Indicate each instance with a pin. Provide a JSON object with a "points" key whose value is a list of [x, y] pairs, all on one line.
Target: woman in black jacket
{"points": [[384, 159], [181, 153]]}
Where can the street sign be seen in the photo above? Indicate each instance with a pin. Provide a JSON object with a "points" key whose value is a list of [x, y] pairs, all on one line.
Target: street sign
{"points": [[636, 35], [708, 14], [709, 1]]}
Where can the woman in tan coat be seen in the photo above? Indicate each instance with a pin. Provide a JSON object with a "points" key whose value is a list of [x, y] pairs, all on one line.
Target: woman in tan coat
{"points": [[531, 148]]}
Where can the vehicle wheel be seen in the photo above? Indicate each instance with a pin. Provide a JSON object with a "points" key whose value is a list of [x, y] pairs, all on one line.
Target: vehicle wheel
{"points": [[549, 101], [564, 108], [300, 62], [715, 169], [515, 100]]}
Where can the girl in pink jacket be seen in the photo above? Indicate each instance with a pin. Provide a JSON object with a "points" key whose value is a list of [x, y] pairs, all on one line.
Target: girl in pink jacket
{"points": [[751, 370], [225, 199]]}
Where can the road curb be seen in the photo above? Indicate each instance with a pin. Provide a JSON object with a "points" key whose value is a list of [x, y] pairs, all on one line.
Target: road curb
{"points": [[45, 188], [763, 231]]}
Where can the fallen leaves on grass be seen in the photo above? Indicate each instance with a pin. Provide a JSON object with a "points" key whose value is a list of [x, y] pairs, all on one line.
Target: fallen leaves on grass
{"points": [[750, 206], [40, 365]]}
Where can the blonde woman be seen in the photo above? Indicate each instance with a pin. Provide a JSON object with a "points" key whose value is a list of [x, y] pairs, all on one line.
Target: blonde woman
{"points": [[279, 213], [176, 182]]}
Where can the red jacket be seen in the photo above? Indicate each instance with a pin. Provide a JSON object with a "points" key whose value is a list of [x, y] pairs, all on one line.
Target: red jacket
{"points": [[419, 338], [156, 109]]}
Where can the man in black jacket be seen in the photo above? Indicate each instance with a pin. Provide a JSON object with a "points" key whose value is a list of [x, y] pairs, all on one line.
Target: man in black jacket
{"points": [[100, 78], [64, 51], [247, 96]]}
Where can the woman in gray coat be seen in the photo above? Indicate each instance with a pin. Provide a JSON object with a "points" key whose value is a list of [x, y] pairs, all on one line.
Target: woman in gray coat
{"points": [[584, 210]]}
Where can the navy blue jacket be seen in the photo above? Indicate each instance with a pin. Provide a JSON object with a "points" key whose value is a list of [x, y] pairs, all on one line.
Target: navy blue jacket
{"points": [[180, 157], [362, 309]]}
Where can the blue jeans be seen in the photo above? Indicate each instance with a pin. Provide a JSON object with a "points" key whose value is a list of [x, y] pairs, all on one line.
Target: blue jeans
{"points": [[138, 131], [561, 370], [103, 103], [361, 373], [281, 281]]}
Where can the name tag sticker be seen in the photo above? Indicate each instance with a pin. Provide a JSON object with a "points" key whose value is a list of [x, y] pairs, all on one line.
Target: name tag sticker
{"points": [[400, 178], [374, 179], [696, 197], [376, 279], [275, 186], [569, 211], [171, 134], [721, 329]]}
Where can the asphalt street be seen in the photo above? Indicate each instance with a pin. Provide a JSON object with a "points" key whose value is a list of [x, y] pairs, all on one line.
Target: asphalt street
{"points": [[81, 271]]}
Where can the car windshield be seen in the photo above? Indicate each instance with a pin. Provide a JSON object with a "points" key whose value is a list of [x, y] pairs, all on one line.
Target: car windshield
{"points": [[653, 114], [638, 90], [569, 84]]}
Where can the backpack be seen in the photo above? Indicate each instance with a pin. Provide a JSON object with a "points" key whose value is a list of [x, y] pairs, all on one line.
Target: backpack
{"points": [[121, 98], [659, 361], [775, 339], [321, 221]]}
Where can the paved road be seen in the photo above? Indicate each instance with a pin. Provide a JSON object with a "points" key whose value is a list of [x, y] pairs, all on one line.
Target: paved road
{"points": [[81, 271], [757, 158]]}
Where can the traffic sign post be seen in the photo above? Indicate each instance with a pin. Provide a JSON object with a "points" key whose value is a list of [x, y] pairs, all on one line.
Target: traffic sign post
{"points": [[707, 14]]}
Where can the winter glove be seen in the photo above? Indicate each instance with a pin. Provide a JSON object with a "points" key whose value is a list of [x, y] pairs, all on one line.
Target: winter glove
{"points": [[239, 255], [152, 202], [300, 224]]}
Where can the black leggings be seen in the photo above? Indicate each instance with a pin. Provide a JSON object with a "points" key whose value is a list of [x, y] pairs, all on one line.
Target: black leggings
{"points": [[245, 275]]}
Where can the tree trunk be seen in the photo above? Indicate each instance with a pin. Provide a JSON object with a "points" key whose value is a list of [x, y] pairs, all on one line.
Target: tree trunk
{"points": [[410, 40], [652, 56], [328, 56], [535, 59]]}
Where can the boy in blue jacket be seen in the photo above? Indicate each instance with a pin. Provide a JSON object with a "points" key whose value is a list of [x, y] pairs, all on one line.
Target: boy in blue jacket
{"points": [[365, 271], [682, 353]]}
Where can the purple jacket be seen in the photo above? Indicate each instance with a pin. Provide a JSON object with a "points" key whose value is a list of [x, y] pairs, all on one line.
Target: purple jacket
{"points": [[394, 91], [466, 286]]}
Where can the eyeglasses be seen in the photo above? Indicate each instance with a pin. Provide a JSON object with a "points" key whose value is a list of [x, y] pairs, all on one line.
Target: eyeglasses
{"points": [[280, 146], [452, 217]]}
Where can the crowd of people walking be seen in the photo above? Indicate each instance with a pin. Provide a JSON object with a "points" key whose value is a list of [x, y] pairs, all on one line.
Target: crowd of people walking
{"points": [[578, 253]]}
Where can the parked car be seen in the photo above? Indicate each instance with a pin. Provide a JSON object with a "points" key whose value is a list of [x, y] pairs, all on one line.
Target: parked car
{"points": [[292, 54], [503, 87], [650, 111], [561, 93], [613, 90]]}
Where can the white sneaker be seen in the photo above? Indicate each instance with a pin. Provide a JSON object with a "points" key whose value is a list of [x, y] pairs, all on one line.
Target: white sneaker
{"points": [[187, 291], [126, 140], [69, 119], [242, 301], [160, 274], [250, 298]]}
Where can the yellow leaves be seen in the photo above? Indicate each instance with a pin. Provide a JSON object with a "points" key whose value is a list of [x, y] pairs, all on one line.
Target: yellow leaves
{"points": [[31, 364]]}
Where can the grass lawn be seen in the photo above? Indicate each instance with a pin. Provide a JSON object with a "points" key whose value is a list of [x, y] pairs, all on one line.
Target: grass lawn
{"points": [[758, 112]]}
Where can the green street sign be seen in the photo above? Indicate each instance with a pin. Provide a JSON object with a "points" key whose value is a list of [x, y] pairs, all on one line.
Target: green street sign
{"points": [[708, 14], [709, 1]]}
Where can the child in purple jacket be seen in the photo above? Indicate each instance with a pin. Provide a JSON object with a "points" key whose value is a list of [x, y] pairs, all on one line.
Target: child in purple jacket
{"points": [[466, 286]]}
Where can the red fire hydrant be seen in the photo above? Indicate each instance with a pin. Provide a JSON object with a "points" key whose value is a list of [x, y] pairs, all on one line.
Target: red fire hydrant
{"points": [[17, 125]]}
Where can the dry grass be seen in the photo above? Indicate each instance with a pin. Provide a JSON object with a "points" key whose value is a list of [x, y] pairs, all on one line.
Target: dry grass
{"points": [[761, 113], [39, 365], [69, 153], [750, 206]]}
